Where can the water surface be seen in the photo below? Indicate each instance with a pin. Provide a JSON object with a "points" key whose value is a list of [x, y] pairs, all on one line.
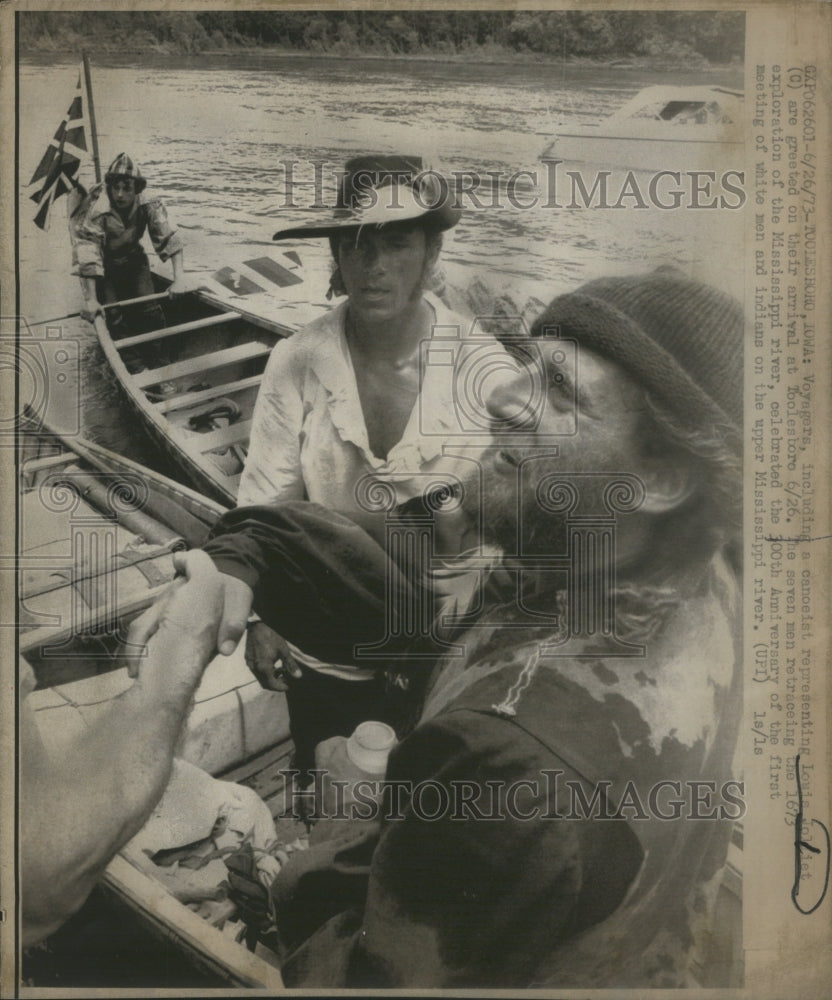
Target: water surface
{"points": [[211, 134]]}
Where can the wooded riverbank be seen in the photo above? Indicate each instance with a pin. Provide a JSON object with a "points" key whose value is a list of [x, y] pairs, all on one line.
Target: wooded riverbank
{"points": [[640, 38]]}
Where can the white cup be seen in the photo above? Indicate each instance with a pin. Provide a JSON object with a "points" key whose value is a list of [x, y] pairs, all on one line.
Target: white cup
{"points": [[370, 746]]}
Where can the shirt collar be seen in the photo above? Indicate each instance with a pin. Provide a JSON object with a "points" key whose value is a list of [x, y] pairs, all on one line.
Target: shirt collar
{"points": [[434, 416]]}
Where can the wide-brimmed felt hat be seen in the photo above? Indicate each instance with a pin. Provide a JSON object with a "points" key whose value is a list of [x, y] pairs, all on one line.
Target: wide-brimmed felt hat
{"points": [[124, 166], [680, 339], [380, 190]]}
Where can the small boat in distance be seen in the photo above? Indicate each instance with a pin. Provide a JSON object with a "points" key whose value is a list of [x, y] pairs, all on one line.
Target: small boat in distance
{"points": [[661, 128]]}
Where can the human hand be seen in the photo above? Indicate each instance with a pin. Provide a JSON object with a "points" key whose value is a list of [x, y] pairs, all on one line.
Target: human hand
{"points": [[179, 286], [185, 606], [268, 657]]}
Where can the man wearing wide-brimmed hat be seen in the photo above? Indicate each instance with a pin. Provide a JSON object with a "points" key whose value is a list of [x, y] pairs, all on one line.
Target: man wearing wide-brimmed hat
{"points": [[348, 408], [107, 255], [339, 398]]}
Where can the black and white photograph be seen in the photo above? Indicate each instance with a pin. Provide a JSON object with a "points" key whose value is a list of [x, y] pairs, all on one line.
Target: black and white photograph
{"points": [[415, 538]]}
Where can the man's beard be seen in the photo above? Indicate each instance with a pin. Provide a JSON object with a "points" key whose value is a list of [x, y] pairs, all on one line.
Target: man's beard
{"points": [[509, 515]]}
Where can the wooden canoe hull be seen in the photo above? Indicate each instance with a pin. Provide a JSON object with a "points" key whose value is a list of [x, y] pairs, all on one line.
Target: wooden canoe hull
{"points": [[84, 561], [204, 946], [209, 357]]}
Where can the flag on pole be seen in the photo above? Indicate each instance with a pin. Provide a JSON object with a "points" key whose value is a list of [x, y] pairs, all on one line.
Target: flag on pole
{"points": [[60, 164]]}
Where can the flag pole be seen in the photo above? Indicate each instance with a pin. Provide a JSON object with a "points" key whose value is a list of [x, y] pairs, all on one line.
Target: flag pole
{"points": [[91, 108]]}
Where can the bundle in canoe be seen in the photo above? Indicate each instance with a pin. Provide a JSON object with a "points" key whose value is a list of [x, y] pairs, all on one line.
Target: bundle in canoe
{"points": [[97, 536], [194, 381]]}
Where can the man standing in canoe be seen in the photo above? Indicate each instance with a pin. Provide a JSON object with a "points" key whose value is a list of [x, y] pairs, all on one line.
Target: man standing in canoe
{"points": [[106, 231]]}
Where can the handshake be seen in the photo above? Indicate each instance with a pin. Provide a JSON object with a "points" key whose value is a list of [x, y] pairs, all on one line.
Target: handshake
{"points": [[211, 609]]}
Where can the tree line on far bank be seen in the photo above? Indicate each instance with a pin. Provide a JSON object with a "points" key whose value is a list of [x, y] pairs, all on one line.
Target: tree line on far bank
{"points": [[684, 37]]}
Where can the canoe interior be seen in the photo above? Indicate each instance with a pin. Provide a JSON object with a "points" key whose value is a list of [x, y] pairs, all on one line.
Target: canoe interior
{"points": [[194, 383], [200, 347], [205, 946], [96, 548]]}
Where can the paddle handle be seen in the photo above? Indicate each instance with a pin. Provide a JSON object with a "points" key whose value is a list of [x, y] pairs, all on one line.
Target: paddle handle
{"points": [[136, 301], [74, 444]]}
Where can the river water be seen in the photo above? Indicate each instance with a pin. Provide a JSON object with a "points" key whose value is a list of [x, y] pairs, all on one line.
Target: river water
{"points": [[212, 132]]}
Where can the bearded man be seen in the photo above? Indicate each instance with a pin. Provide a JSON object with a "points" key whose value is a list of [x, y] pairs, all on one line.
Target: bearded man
{"points": [[565, 797]]}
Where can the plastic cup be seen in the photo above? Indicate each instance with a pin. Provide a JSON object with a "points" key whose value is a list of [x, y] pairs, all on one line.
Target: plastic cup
{"points": [[370, 746]]}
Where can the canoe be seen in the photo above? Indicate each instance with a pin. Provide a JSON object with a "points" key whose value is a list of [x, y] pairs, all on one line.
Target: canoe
{"points": [[93, 523], [193, 382], [98, 533], [660, 128]]}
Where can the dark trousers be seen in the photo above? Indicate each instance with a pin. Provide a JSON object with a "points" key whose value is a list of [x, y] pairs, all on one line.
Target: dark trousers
{"points": [[129, 277], [321, 706]]}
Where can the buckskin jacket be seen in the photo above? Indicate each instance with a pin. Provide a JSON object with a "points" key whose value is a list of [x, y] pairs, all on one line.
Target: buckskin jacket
{"points": [[562, 821], [100, 237]]}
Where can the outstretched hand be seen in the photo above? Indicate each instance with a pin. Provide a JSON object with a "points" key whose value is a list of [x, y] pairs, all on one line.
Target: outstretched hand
{"points": [[124, 759], [201, 598]]}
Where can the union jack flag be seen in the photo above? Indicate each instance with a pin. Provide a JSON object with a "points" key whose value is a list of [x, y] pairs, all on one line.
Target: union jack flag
{"points": [[60, 164]]}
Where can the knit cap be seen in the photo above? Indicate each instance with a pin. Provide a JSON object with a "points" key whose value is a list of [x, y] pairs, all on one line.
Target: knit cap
{"points": [[678, 338], [123, 166]]}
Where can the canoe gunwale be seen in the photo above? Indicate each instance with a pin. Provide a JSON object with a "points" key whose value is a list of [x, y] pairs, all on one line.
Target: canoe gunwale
{"points": [[166, 917], [160, 489]]}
